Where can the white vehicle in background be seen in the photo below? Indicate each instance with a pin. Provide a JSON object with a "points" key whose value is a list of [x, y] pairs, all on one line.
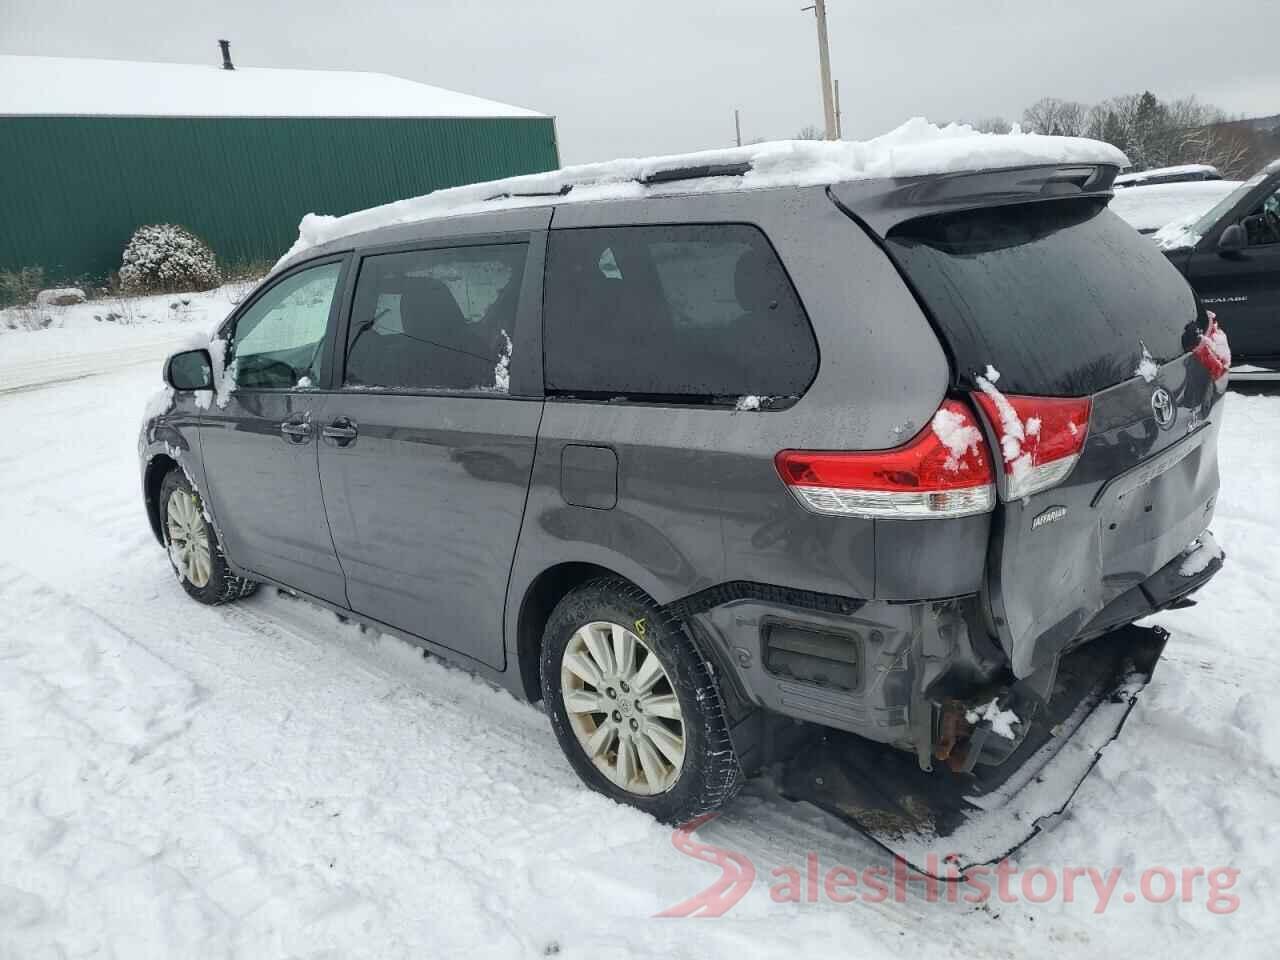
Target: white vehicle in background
{"points": [[1183, 173], [1147, 208]]}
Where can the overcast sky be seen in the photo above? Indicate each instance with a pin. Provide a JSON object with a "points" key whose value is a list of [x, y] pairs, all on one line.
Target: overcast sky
{"points": [[659, 76]]}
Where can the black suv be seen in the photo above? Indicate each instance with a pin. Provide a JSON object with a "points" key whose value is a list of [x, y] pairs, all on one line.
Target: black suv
{"points": [[876, 455], [1231, 255]]}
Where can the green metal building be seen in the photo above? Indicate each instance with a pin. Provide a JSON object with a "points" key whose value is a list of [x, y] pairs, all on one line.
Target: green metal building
{"points": [[92, 149]]}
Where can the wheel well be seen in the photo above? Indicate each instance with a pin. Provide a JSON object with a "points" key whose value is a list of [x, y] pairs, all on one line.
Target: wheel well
{"points": [[157, 469], [540, 599]]}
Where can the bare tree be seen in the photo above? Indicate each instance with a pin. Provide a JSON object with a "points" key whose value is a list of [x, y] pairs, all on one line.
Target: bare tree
{"points": [[1064, 118], [810, 132], [992, 125]]}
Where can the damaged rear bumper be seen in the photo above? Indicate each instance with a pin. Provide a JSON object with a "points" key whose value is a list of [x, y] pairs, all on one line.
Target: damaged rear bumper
{"points": [[981, 816], [1166, 588]]}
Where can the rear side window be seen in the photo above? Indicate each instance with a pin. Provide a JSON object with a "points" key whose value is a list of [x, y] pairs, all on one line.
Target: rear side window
{"points": [[436, 319], [1059, 296], [691, 313]]}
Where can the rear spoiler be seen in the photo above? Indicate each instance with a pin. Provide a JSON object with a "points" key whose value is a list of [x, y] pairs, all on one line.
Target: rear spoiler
{"points": [[883, 204]]}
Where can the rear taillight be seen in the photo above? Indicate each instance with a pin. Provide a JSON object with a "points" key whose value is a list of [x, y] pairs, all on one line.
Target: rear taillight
{"points": [[1213, 350], [1040, 437], [944, 471]]}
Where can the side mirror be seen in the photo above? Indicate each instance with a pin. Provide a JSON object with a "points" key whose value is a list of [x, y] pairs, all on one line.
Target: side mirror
{"points": [[189, 370], [1233, 238]]}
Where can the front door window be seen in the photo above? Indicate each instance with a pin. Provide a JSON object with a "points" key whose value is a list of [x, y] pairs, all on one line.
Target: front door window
{"points": [[278, 342]]}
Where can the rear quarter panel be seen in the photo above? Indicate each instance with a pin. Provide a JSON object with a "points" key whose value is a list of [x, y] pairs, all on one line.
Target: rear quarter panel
{"points": [[699, 501]]}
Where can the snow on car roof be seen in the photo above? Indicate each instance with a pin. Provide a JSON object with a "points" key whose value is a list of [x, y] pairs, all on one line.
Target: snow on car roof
{"points": [[68, 86], [916, 148], [1153, 206]]}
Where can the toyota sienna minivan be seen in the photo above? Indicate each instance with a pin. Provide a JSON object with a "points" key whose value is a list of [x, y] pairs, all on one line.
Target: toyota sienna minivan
{"points": [[875, 455]]}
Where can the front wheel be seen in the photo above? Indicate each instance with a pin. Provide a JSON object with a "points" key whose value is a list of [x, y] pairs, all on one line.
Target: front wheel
{"points": [[193, 546], [634, 705]]}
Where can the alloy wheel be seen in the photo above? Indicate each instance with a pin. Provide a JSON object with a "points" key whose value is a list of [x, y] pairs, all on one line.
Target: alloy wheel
{"points": [[188, 538], [623, 708]]}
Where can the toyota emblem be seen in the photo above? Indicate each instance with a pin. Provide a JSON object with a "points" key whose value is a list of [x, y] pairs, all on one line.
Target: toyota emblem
{"points": [[1162, 406]]}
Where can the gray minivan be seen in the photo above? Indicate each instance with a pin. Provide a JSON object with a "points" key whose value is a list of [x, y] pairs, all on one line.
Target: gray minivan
{"points": [[874, 455]]}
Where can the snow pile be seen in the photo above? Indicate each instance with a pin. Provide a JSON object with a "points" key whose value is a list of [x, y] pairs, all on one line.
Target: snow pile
{"points": [[1001, 721], [60, 297], [1147, 367], [1013, 432], [165, 256], [958, 434], [1199, 554], [916, 148], [749, 402], [1148, 209]]}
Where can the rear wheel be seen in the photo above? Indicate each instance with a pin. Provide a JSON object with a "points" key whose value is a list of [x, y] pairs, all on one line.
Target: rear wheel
{"points": [[634, 705], [193, 545]]}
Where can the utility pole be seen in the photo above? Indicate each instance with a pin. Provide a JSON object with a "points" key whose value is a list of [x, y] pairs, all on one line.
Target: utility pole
{"points": [[737, 127], [839, 128], [824, 69]]}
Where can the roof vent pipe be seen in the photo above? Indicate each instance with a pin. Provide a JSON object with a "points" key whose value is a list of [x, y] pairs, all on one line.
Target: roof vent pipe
{"points": [[226, 55]]}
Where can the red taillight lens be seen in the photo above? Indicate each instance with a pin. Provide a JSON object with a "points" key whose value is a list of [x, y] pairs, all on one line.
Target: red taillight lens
{"points": [[1213, 350], [1040, 437], [944, 471]]}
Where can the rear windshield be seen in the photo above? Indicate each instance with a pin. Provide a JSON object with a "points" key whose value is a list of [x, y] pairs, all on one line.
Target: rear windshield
{"points": [[1059, 296]]}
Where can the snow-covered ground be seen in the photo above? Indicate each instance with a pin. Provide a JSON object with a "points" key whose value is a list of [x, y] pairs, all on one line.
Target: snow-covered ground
{"points": [[261, 780], [81, 340]]}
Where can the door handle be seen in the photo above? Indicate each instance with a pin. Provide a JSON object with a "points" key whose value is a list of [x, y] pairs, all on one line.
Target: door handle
{"points": [[342, 431], [296, 431]]}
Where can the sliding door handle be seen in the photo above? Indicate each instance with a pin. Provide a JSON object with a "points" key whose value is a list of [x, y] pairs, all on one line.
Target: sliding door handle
{"points": [[342, 431]]}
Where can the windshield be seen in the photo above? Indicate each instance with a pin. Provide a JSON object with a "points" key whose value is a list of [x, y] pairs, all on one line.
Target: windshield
{"points": [[1216, 212], [1062, 297]]}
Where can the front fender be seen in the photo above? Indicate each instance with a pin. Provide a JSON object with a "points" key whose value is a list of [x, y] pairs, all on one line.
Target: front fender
{"points": [[170, 439]]}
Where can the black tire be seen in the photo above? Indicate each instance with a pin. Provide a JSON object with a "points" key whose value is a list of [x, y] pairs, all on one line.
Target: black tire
{"points": [[710, 773], [223, 586]]}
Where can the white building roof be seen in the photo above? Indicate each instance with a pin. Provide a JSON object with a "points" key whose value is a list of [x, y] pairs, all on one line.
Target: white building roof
{"points": [[67, 86]]}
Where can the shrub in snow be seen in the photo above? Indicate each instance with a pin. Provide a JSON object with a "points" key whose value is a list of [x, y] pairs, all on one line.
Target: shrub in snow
{"points": [[19, 287], [165, 256]]}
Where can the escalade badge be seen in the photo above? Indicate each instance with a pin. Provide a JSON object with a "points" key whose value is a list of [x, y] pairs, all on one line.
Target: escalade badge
{"points": [[1052, 515], [1162, 406]]}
